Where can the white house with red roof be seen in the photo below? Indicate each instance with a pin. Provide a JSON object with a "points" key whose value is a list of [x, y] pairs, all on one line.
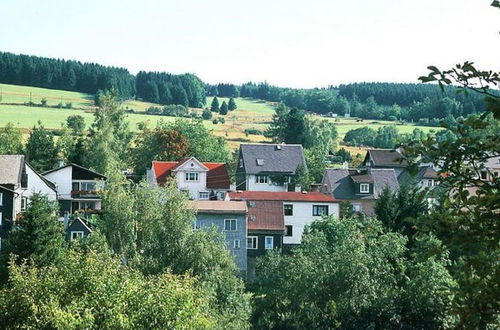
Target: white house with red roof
{"points": [[299, 209], [202, 180]]}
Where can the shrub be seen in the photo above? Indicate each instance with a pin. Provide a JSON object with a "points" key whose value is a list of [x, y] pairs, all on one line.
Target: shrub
{"points": [[43, 102], [253, 131], [69, 105], [207, 114]]}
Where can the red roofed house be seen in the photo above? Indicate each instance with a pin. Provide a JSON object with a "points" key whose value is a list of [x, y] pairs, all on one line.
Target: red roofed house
{"points": [[200, 180]]}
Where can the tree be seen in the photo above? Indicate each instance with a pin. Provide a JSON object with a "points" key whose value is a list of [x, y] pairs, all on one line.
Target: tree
{"points": [[41, 151], [223, 108], [36, 236], [11, 140], [363, 136], [206, 115], [214, 107], [76, 123], [232, 105]]}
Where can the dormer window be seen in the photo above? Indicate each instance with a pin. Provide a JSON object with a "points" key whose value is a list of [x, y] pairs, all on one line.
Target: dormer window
{"points": [[260, 162], [364, 188]]}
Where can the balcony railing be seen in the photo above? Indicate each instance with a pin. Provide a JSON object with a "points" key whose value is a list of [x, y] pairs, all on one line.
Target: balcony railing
{"points": [[85, 194]]}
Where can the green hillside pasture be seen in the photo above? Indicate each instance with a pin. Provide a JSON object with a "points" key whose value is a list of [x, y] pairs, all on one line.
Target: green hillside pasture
{"points": [[249, 106]]}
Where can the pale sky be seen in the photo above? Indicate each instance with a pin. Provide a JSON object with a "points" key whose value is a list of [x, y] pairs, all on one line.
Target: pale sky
{"points": [[291, 43]]}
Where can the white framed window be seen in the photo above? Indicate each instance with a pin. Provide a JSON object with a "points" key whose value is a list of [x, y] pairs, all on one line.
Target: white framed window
{"points": [[364, 188], [230, 224], [204, 195], [288, 209], [429, 183], [319, 210], [261, 179], [191, 176], [269, 242], [24, 203], [87, 186], [356, 207], [236, 244], [252, 243], [76, 235], [1, 198]]}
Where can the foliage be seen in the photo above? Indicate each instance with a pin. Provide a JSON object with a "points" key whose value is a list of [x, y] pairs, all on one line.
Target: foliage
{"points": [[76, 123], [223, 108], [232, 105], [214, 107], [206, 115], [41, 151], [11, 140]]}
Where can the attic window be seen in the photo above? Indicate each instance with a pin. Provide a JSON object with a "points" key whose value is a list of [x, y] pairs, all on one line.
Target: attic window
{"points": [[364, 188], [260, 162]]}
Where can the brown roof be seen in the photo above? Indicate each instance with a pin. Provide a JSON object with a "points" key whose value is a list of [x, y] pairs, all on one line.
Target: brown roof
{"points": [[362, 178], [285, 196], [386, 157], [219, 206], [266, 215]]}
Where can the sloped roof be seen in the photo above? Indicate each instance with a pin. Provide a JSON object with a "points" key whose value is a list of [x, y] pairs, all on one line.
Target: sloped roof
{"points": [[424, 172], [386, 157], [284, 196], [266, 215], [492, 163], [273, 158], [233, 207], [11, 169], [99, 175], [342, 186], [217, 175]]}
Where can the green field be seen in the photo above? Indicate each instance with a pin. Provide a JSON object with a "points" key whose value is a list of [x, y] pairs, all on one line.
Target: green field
{"points": [[249, 114]]}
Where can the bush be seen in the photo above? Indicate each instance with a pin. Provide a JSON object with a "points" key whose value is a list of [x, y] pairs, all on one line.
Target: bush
{"points": [[69, 105], [215, 121], [392, 118], [207, 114], [423, 121], [222, 120], [154, 110], [43, 102], [253, 131]]}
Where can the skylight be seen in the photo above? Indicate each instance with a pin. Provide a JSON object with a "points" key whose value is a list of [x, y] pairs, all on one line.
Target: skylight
{"points": [[260, 162]]}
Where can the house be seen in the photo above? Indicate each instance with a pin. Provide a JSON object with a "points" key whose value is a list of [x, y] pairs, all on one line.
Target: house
{"points": [[77, 188], [202, 181], [425, 177], [76, 228], [18, 182], [228, 217], [268, 167], [299, 209], [490, 169], [385, 159], [361, 188]]}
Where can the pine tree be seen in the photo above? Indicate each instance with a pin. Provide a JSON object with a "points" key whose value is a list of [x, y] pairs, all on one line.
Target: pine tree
{"points": [[232, 105], [41, 152], [223, 108], [215, 105]]}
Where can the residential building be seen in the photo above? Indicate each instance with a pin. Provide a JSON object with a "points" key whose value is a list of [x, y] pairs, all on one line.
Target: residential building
{"points": [[299, 209], [361, 188], [78, 189], [268, 167], [490, 169], [426, 177], [385, 159], [18, 182], [77, 228], [230, 218], [202, 181]]}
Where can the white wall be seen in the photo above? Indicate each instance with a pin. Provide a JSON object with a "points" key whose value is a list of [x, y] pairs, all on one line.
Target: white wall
{"points": [[37, 185], [196, 187], [302, 216], [253, 186], [62, 179]]}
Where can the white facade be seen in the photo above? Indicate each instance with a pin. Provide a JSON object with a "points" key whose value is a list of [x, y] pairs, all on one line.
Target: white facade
{"points": [[62, 179], [303, 215], [264, 183], [191, 176]]}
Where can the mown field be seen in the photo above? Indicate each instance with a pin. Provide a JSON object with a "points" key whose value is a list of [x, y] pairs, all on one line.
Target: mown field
{"points": [[251, 114]]}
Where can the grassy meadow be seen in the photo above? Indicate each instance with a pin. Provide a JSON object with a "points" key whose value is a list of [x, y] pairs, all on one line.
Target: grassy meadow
{"points": [[250, 114]]}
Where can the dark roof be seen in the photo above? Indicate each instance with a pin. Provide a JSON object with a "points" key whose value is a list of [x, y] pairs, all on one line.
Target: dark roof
{"points": [[274, 158], [11, 169], [362, 178], [424, 172], [265, 215], [99, 175], [217, 175], [285, 196], [79, 224], [341, 184], [385, 158]]}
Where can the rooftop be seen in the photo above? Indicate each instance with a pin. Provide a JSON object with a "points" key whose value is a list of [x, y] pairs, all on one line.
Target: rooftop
{"points": [[272, 158], [234, 207], [266, 215], [385, 157], [281, 196], [11, 168]]}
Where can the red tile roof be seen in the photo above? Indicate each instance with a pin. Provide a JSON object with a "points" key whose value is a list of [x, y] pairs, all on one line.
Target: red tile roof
{"points": [[266, 215], [281, 196], [217, 176]]}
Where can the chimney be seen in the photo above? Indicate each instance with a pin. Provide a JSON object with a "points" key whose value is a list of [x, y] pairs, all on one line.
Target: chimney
{"points": [[345, 165]]}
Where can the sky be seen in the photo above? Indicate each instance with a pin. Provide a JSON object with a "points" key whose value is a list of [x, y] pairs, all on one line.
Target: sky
{"points": [[289, 43]]}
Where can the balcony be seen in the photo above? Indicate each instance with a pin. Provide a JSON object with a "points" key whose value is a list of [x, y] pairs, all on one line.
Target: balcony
{"points": [[85, 194]]}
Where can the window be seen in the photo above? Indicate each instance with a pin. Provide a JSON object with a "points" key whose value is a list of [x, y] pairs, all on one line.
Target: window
{"points": [[261, 179], [236, 244], [260, 162], [191, 176], [76, 234], [288, 231], [269, 242], [429, 183], [1, 199], [204, 195], [364, 188], [24, 203], [484, 175], [229, 224], [356, 207], [319, 210], [252, 243], [87, 205], [288, 209], [87, 186]]}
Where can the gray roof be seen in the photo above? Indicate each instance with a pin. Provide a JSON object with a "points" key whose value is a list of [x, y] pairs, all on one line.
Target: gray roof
{"points": [[277, 158], [11, 169], [385, 158], [492, 163], [341, 184], [424, 172]]}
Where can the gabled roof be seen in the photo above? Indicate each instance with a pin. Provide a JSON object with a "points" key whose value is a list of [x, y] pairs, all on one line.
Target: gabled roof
{"points": [[272, 158], [217, 175], [49, 184], [424, 172], [385, 158], [11, 169], [266, 215], [231, 207], [342, 186], [99, 175], [285, 196], [79, 223]]}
